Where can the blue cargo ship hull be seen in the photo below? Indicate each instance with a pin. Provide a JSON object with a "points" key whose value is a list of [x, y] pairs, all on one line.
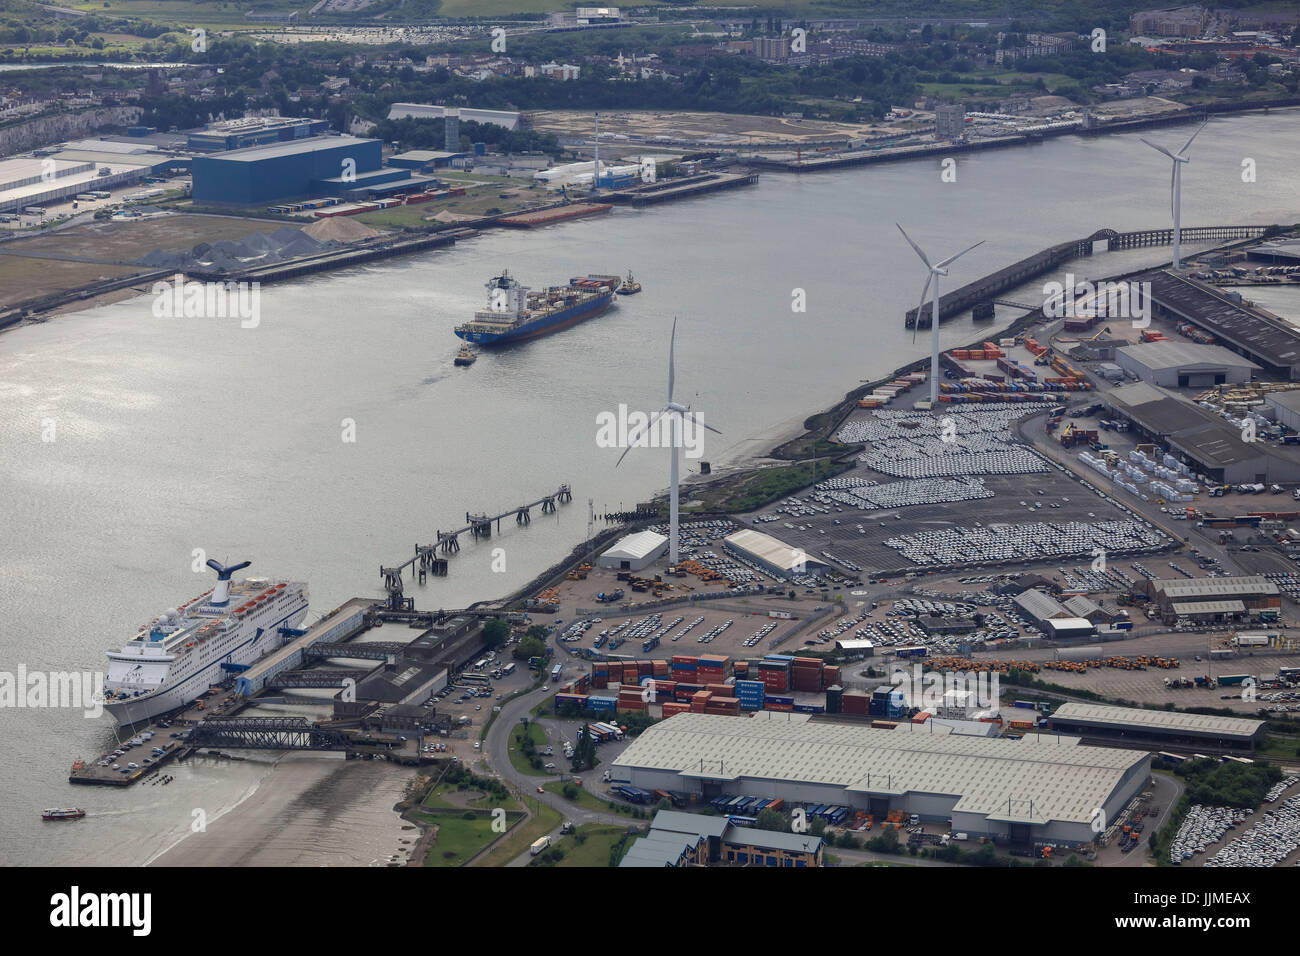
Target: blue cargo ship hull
{"points": [[543, 326]]}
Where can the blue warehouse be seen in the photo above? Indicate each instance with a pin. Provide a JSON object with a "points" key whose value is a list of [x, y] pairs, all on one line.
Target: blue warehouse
{"points": [[318, 166]]}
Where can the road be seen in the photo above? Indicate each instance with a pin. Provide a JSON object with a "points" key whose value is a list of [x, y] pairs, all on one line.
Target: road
{"points": [[496, 749]]}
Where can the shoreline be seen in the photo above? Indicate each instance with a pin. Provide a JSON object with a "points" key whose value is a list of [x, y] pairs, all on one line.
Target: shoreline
{"points": [[85, 297]]}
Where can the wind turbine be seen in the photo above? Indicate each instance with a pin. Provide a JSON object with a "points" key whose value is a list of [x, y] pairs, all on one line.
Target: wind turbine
{"points": [[677, 415], [939, 269], [1176, 186]]}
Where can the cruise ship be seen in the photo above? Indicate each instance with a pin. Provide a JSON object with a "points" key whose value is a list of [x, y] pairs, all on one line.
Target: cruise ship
{"points": [[515, 314], [186, 650]]}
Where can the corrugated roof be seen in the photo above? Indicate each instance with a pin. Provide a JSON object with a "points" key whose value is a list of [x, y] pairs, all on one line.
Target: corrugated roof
{"points": [[1158, 719], [1192, 588], [773, 840], [1177, 354], [769, 549], [1081, 606], [1209, 607], [677, 822], [1037, 779], [292, 147], [634, 547], [1040, 606]]}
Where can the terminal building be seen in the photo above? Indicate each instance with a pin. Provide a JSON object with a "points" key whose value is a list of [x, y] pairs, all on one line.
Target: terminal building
{"points": [[342, 166], [1175, 364], [1039, 788], [1136, 727], [775, 557]]}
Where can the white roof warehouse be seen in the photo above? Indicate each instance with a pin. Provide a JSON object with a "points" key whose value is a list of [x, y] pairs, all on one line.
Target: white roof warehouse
{"points": [[1038, 788]]}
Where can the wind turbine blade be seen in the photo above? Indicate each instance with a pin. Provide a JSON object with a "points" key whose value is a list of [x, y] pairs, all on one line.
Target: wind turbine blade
{"points": [[1159, 148], [691, 416], [672, 346], [929, 277], [1192, 137], [952, 259], [634, 435], [914, 246]]}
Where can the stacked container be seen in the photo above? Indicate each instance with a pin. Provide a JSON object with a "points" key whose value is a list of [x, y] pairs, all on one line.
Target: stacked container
{"points": [[751, 694]]}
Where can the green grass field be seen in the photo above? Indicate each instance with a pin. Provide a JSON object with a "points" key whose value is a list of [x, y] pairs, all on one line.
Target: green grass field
{"points": [[517, 759], [543, 821], [594, 850], [458, 839], [585, 798]]}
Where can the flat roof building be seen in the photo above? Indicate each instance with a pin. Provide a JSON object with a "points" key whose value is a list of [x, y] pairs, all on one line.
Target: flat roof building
{"points": [[635, 551], [1038, 788], [1176, 364], [1160, 726], [1285, 407], [772, 555]]}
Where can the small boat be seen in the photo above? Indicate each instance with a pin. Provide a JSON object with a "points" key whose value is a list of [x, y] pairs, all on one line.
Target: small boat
{"points": [[71, 813], [465, 356], [629, 286]]}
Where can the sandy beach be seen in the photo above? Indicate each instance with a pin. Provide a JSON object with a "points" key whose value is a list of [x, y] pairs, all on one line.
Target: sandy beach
{"points": [[311, 810]]}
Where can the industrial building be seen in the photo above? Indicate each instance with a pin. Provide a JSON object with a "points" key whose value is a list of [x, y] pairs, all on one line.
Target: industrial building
{"points": [[635, 552], [1040, 788], [342, 166], [38, 181], [1040, 607], [1175, 364], [1157, 727], [772, 555], [1199, 437], [507, 118], [1272, 343], [690, 839], [255, 131], [1284, 407], [1252, 594]]}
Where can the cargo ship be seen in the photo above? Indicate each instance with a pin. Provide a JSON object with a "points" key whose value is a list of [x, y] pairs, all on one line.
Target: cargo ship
{"points": [[516, 314], [184, 651]]}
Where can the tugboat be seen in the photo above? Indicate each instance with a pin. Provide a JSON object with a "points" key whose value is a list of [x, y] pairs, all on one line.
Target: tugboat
{"points": [[465, 356], [71, 813], [630, 286]]}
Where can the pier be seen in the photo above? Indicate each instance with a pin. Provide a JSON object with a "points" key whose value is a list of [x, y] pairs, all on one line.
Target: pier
{"points": [[681, 188], [432, 558], [988, 288]]}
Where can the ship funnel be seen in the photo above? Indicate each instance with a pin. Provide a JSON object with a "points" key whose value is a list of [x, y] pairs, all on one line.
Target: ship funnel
{"points": [[221, 594]]}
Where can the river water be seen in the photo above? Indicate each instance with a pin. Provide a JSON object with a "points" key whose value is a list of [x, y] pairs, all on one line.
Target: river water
{"points": [[172, 435]]}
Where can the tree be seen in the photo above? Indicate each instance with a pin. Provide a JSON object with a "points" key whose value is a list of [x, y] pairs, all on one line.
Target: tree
{"points": [[584, 752], [772, 820], [817, 827], [529, 647], [537, 632], [495, 632]]}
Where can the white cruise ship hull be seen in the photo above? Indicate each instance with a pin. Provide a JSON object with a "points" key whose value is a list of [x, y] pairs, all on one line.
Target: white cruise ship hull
{"points": [[145, 686]]}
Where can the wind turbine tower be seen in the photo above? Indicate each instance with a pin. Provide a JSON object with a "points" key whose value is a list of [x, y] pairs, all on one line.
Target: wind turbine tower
{"points": [[1176, 188], [677, 416], [939, 269]]}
